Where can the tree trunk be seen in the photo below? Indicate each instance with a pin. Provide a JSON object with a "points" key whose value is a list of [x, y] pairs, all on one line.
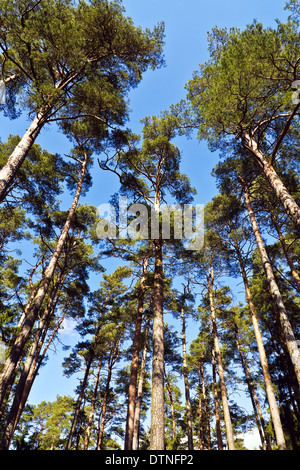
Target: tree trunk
{"points": [[135, 360], [157, 434], [85, 379], [104, 407], [186, 385], [16, 352], [289, 204], [139, 396], [172, 407], [227, 418], [9, 170], [91, 415], [200, 414], [263, 357], [113, 357], [216, 401], [253, 396], [293, 270], [21, 392], [274, 290], [207, 412], [38, 360], [79, 401]]}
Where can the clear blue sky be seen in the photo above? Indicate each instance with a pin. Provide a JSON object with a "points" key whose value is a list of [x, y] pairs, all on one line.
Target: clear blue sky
{"points": [[187, 23]]}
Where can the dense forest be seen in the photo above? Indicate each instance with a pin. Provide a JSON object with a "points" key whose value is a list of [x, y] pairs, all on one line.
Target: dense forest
{"points": [[167, 348]]}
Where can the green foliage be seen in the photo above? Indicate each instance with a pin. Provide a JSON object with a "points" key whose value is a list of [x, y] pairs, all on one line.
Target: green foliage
{"points": [[243, 86], [41, 43], [76, 63], [45, 426]]}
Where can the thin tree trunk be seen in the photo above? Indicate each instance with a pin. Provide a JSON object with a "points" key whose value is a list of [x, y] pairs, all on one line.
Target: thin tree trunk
{"points": [[19, 325], [157, 433], [216, 401], [227, 418], [200, 413], [289, 204], [79, 401], [36, 364], [16, 352], [274, 290], [38, 359], [20, 393], [253, 396], [85, 379], [135, 360], [91, 415], [139, 396], [262, 354], [33, 288], [186, 385], [207, 414], [32, 373], [172, 407], [112, 360]]}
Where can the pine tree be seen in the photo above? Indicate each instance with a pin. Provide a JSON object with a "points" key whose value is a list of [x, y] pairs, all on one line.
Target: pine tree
{"points": [[149, 173], [69, 73], [76, 261], [242, 93], [208, 264], [237, 235], [16, 352], [102, 302]]}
